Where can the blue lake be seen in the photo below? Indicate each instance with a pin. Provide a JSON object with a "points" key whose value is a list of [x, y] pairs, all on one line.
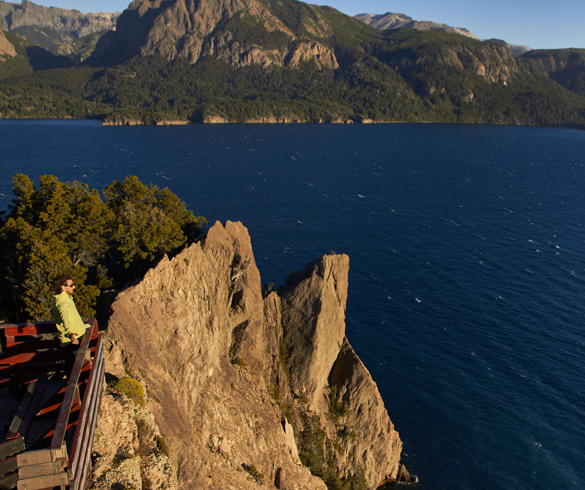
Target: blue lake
{"points": [[467, 264]]}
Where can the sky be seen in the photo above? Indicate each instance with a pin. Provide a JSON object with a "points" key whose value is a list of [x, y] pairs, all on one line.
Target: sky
{"points": [[539, 24]]}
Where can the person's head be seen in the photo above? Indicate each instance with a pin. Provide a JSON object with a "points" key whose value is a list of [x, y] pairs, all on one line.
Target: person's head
{"points": [[64, 283]]}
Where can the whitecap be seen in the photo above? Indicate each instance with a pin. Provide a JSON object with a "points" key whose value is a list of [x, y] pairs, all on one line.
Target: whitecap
{"points": [[360, 196]]}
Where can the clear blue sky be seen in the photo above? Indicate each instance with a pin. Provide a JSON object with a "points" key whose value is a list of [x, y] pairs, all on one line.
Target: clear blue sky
{"points": [[536, 23]]}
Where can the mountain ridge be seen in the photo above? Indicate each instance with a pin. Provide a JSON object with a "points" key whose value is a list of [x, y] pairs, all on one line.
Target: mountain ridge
{"points": [[63, 32], [284, 60]]}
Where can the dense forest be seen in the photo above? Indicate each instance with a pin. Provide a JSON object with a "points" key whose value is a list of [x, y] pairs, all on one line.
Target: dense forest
{"points": [[56, 228]]}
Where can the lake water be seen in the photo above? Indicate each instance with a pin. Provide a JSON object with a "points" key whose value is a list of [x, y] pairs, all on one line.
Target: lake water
{"points": [[467, 266]]}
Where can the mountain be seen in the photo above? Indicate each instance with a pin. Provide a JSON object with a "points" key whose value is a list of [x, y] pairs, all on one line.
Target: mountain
{"points": [[240, 32], [288, 61], [60, 31], [396, 21], [390, 20], [248, 389]]}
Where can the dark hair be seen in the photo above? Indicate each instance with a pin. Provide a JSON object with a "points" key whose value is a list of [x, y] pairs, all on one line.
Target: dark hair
{"points": [[61, 281]]}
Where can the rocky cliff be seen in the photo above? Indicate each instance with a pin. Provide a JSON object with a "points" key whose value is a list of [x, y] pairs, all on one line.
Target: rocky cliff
{"points": [[67, 21], [6, 48], [66, 33], [246, 390], [241, 32]]}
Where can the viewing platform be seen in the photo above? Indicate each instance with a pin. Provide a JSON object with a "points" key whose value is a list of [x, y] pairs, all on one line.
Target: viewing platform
{"points": [[49, 403]]}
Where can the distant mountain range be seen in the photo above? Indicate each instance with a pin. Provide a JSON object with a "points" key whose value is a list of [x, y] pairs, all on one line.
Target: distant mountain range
{"points": [[273, 60], [390, 20], [57, 30]]}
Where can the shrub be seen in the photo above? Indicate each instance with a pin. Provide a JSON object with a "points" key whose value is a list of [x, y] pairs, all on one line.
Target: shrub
{"points": [[132, 389]]}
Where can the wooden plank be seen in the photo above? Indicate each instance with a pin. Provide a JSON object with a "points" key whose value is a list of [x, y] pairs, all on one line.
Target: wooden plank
{"points": [[82, 441], [21, 359], [41, 456], [41, 482], [19, 329], [52, 394], [22, 378], [63, 419], [41, 469], [83, 462], [8, 482], [19, 346], [23, 407], [11, 447], [7, 465]]}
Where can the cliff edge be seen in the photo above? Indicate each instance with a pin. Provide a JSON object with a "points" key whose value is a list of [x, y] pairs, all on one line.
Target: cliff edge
{"points": [[248, 390]]}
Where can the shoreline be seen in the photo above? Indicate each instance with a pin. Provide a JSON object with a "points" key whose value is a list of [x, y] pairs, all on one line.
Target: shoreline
{"points": [[218, 120]]}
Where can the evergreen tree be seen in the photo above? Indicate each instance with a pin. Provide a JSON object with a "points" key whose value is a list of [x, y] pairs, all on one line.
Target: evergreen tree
{"points": [[58, 228]]}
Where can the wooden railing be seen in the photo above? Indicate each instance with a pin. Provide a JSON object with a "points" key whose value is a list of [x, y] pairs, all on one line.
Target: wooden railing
{"points": [[53, 395]]}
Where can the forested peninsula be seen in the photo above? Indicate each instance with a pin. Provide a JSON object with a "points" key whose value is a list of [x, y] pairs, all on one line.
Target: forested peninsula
{"points": [[274, 61]]}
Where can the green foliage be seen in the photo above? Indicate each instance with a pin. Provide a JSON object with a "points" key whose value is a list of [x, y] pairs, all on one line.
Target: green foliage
{"points": [[149, 223], [318, 454], [238, 361], [253, 472], [58, 228], [250, 31], [284, 357], [162, 446], [131, 389], [337, 406], [53, 229]]}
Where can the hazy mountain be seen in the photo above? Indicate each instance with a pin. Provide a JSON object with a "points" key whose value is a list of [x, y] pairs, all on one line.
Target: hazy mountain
{"points": [[60, 31], [390, 20]]}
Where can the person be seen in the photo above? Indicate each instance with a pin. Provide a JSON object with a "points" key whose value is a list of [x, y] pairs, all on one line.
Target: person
{"points": [[69, 323]]}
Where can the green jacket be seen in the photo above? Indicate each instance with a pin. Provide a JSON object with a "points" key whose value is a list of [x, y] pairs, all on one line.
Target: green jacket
{"points": [[67, 318]]}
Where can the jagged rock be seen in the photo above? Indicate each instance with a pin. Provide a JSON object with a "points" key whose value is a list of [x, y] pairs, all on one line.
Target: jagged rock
{"points": [[125, 453], [227, 371], [6, 48], [325, 369], [196, 29], [66, 21], [314, 318], [322, 55]]}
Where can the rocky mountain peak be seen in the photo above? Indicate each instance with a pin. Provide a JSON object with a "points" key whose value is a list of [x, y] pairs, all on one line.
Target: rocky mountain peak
{"points": [[391, 20], [237, 381], [242, 32], [69, 22]]}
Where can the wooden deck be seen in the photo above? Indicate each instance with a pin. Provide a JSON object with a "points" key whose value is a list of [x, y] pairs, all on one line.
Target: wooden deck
{"points": [[49, 403]]}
